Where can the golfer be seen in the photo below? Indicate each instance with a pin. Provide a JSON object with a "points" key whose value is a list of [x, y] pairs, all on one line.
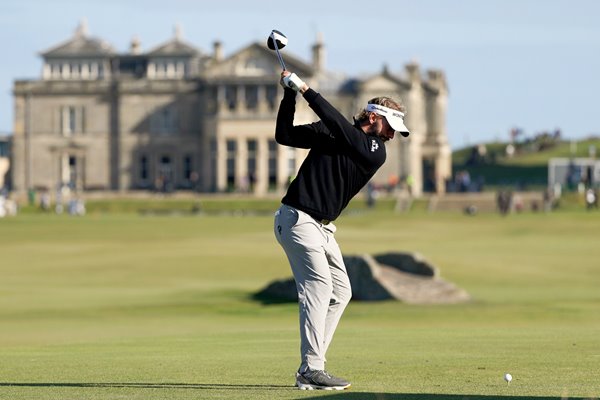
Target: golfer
{"points": [[342, 159]]}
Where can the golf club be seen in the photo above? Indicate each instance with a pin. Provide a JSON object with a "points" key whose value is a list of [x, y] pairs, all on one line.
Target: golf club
{"points": [[276, 41]]}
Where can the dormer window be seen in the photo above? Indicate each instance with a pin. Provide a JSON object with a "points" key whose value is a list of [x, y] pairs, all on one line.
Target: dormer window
{"points": [[167, 69], [86, 70]]}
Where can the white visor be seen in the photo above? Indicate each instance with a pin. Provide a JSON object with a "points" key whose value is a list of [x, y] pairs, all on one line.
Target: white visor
{"points": [[394, 117]]}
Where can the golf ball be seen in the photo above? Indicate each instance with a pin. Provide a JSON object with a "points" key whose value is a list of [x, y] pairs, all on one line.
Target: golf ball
{"points": [[508, 377]]}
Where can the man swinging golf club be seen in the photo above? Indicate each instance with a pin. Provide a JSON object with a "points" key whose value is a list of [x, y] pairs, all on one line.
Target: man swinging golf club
{"points": [[343, 157]]}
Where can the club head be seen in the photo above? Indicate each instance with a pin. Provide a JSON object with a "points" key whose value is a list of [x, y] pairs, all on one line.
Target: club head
{"points": [[278, 39]]}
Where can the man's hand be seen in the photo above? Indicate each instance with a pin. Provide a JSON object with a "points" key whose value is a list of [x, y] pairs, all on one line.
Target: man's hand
{"points": [[292, 81]]}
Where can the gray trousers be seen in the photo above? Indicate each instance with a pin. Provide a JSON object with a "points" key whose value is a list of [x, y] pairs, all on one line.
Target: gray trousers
{"points": [[321, 280]]}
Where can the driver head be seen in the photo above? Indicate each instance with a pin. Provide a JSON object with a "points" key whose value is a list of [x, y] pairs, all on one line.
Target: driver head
{"points": [[276, 38]]}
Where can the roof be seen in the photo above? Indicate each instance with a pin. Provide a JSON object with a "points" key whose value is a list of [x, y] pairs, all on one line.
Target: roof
{"points": [[259, 51], [289, 59], [174, 47], [80, 45]]}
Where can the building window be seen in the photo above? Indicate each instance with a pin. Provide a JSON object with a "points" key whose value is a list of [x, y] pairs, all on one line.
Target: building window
{"points": [[73, 172], [252, 146], [291, 162], [187, 168], [72, 120], [272, 164], [231, 156], [251, 97], [231, 97], [271, 94], [213, 164], [164, 179], [144, 168], [167, 69], [164, 120]]}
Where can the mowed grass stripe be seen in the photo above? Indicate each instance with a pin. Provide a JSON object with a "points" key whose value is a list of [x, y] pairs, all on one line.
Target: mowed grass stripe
{"points": [[148, 307]]}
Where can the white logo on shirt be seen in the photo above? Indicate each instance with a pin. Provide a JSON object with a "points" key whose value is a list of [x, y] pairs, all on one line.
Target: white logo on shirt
{"points": [[374, 145]]}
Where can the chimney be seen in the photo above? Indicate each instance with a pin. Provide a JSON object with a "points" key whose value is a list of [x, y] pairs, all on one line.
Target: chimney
{"points": [[82, 29], [318, 53], [386, 70], [437, 78], [413, 72], [136, 46], [178, 32], [217, 51]]}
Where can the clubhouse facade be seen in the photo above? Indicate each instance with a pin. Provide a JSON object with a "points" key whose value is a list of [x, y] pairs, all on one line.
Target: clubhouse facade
{"points": [[177, 118]]}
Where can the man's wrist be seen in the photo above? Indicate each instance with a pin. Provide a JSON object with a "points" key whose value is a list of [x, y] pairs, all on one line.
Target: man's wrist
{"points": [[293, 81]]}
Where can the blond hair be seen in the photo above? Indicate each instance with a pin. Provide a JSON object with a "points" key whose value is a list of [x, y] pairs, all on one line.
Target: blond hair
{"points": [[382, 101]]}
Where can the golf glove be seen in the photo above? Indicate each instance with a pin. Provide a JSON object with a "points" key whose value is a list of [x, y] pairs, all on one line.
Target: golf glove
{"points": [[292, 81]]}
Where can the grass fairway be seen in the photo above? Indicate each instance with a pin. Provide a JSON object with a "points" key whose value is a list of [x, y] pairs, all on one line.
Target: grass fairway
{"points": [[155, 307]]}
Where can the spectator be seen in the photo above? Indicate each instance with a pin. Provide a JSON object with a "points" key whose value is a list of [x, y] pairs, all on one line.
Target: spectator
{"points": [[371, 195], [591, 199], [45, 202], [504, 200]]}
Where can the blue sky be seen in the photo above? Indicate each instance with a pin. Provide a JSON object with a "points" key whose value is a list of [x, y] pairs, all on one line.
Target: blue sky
{"points": [[533, 64]]}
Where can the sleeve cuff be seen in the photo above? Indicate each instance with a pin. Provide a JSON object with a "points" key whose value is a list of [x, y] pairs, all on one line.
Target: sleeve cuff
{"points": [[310, 95]]}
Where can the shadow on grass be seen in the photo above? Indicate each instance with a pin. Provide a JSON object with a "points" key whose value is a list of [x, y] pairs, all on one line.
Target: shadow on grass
{"points": [[346, 395], [196, 386], [277, 292], [426, 396]]}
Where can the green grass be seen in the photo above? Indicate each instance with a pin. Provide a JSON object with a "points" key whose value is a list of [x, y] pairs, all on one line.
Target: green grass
{"points": [[125, 306], [527, 156], [188, 204], [528, 167]]}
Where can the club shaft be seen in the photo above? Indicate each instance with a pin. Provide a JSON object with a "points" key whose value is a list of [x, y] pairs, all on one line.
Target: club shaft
{"points": [[278, 54]]}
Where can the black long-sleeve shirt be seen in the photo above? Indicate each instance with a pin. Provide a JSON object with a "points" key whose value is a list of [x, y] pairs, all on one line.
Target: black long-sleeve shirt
{"points": [[341, 160]]}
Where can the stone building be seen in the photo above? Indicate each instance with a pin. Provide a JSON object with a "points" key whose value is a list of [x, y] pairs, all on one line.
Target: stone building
{"points": [[177, 118]]}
